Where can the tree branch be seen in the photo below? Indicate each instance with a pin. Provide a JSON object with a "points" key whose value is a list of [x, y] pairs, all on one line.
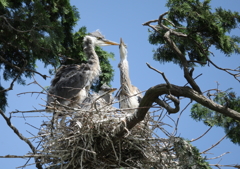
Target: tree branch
{"points": [[214, 145], [21, 69], [167, 106], [164, 77], [8, 121], [183, 60], [150, 97], [227, 70]]}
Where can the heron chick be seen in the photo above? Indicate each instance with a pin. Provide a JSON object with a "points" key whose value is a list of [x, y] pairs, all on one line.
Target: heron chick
{"points": [[129, 96], [71, 84]]}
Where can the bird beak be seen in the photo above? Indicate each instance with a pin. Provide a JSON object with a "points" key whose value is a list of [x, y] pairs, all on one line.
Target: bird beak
{"points": [[107, 42], [121, 41], [113, 89]]}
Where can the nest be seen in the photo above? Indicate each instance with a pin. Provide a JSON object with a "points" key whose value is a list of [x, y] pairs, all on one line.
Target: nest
{"points": [[85, 138]]}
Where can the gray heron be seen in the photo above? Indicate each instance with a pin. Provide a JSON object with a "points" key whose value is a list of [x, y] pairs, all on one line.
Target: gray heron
{"points": [[71, 84], [129, 96]]}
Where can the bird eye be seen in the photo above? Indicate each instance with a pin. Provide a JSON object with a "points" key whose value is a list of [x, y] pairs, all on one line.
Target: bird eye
{"points": [[99, 38]]}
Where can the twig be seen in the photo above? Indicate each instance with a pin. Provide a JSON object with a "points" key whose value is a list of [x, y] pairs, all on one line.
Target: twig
{"points": [[22, 69], [175, 130], [202, 135], [39, 166], [217, 156], [164, 77], [214, 145], [226, 70], [13, 27]]}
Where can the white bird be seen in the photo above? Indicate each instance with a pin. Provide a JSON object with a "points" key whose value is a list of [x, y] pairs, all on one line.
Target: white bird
{"points": [[129, 96], [72, 83]]}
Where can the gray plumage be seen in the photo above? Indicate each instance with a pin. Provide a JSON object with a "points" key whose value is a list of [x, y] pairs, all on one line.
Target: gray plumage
{"points": [[72, 83], [129, 95]]}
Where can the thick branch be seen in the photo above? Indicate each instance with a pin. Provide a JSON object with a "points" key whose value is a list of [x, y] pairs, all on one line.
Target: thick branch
{"points": [[150, 97], [167, 106], [183, 60]]}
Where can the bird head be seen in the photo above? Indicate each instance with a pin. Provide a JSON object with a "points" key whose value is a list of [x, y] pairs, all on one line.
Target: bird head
{"points": [[99, 40], [123, 49]]}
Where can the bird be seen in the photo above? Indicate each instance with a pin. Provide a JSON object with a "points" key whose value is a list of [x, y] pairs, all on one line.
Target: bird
{"points": [[106, 93], [72, 83], [129, 96], [102, 98]]}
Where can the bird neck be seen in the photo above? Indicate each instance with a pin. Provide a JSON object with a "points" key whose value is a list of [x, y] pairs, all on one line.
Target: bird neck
{"points": [[124, 73], [93, 60]]}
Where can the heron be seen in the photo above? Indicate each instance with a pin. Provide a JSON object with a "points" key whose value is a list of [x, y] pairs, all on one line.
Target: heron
{"points": [[101, 99], [71, 84], [129, 96]]}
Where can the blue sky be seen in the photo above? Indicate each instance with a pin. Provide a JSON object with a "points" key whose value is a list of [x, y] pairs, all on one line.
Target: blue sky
{"points": [[123, 19]]}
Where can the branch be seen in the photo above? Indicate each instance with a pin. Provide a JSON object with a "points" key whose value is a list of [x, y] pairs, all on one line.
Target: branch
{"points": [[218, 156], [175, 48], [150, 97], [202, 135], [167, 106], [183, 60], [227, 70], [214, 145], [8, 121], [13, 27], [21, 69], [164, 77]]}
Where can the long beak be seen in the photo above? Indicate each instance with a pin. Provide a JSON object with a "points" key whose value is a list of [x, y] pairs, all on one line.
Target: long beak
{"points": [[110, 42], [121, 41]]}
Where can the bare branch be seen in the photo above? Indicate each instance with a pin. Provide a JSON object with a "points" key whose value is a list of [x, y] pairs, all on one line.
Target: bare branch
{"points": [[202, 135], [183, 60], [218, 156], [148, 22], [236, 75], [214, 145], [164, 77], [8, 121], [167, 106]]}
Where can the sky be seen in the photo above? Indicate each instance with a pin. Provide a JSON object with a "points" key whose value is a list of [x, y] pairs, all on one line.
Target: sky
{"points": [[123, 19]]}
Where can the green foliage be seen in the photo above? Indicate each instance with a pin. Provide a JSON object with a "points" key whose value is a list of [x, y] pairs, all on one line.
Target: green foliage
{"points": [[3, 99], [204, 28], [42, 30], [106, 67], [31, 31], [212, 118], [189, 156]]}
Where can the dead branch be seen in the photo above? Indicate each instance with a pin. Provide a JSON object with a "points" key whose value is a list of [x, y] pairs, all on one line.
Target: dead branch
{"points": [[218, 156], [236, 75], [164, 77], [167, 106], [201, 135], [8, 121], [183, 60], [214, 145], [233, 165]]}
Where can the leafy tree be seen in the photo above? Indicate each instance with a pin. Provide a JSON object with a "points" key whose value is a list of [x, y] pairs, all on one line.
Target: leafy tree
{"points": [[185, 37], [41, 30], [212, 118]]}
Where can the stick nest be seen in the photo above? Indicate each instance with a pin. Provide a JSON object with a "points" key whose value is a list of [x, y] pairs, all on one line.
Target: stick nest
{"points": [[77, 139]]}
